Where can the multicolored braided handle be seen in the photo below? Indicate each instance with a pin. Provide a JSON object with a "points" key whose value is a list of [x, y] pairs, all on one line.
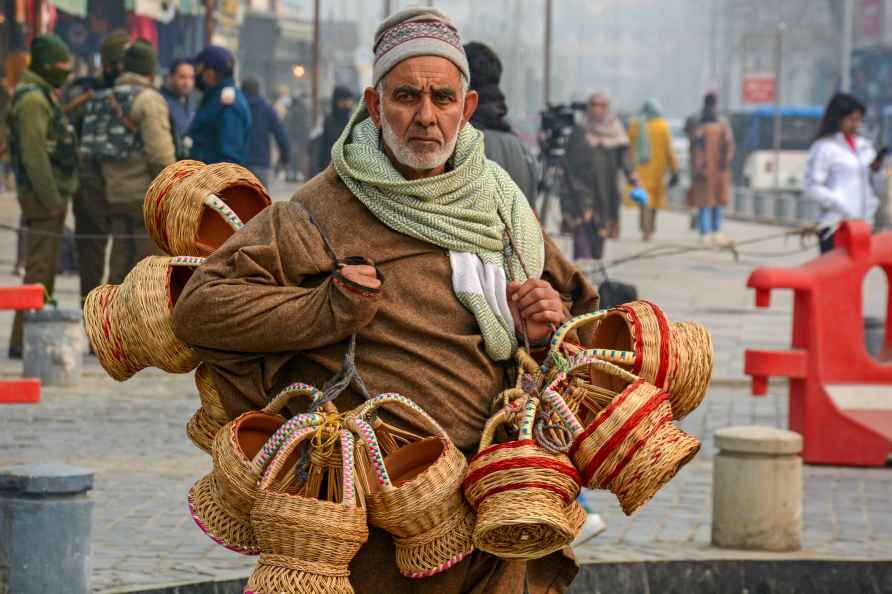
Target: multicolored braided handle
{"points": [[588, 360], [282, 434], [277, 462], [187, 261], [370, 441], [527, 409], [612, 355], [556, 402], [216, 204], [367, 408]]}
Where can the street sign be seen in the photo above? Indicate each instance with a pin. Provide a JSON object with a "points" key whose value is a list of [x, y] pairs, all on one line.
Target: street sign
{"points": [[758, 88]]}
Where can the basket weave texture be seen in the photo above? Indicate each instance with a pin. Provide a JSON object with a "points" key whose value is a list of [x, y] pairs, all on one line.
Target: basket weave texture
{"points": [[211, 416], [430, 521], [175, 213], [130, 325]]}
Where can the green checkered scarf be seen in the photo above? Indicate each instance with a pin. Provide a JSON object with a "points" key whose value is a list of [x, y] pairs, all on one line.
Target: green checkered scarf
{"points": [[461, 210]]}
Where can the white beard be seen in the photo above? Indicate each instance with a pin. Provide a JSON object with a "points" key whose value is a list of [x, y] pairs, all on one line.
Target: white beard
{"points": [[424, 161]]}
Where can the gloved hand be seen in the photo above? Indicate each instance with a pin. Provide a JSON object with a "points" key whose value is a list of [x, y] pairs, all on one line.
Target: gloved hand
{"points": [[673, 181], [638, 196]]}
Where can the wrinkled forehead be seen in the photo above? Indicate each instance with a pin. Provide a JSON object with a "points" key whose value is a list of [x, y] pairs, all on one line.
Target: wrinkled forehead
{"points": [[425, 73]]}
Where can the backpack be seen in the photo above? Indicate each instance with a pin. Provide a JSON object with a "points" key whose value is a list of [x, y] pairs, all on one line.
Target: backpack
{"points": [[107, 134]]}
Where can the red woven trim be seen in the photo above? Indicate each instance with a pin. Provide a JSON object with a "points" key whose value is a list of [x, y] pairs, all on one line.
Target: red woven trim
{"points": [[618, 437], [637, 337], [567, 497], [539, 462], [603, 415], [663, 369], [636, 447], [504, 446]]}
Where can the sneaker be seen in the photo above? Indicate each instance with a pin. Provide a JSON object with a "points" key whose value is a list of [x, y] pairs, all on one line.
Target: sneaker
{"points": [[720, 240], [593, 526]]}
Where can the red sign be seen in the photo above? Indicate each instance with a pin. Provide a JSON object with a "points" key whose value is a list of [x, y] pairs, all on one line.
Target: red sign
{"points": [[758, 89]]}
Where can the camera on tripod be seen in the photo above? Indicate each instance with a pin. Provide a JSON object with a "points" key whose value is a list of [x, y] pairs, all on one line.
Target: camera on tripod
{"points": [[556, 126]]}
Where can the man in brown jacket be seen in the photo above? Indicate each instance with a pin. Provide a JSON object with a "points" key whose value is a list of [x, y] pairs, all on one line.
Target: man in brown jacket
{"points": [[126, 180], [409, 189]]}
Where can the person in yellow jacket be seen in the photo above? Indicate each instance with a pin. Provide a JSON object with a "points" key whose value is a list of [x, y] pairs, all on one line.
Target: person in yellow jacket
{"points": [[652, 155]]}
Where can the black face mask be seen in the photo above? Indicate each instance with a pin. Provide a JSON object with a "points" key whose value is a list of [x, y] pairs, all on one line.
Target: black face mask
{"points": [[200, 84], [109, 76]]}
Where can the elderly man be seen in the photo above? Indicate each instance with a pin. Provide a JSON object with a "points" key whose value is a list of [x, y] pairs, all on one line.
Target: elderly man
{"points": [[437, 313]]}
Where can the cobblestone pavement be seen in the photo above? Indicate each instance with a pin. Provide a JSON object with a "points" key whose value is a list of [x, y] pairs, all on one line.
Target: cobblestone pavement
{"points": [[132, 434]]}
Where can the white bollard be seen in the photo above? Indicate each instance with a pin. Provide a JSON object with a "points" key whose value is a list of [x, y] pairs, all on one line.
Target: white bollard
{"points": [[757, 489]]}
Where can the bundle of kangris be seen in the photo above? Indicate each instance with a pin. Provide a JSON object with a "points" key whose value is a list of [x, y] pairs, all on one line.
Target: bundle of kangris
{"points": [[190, 209]]}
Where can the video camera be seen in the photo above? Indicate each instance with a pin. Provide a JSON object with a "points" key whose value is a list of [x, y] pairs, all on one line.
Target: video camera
{"points": [[556, 126]]}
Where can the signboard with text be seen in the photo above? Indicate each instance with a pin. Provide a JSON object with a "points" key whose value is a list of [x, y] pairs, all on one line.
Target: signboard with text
{"points": [[758, 88]]}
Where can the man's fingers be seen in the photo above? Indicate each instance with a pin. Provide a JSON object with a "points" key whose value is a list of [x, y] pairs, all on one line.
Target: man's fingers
{"points": [[360, 270], [540, 306], [537, 295], [555, 317]]}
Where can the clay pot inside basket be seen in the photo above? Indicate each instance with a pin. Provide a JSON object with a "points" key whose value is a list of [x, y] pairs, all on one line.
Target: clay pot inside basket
{"points": [[411, 460], [179, 276], [213, 230], [613, 333]]}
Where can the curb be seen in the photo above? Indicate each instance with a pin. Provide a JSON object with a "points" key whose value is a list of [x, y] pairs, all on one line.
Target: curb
{"points": [[670, 577]]}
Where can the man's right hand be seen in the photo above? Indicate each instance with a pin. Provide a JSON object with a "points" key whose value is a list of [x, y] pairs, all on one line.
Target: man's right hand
{"points": [[363, 275]]}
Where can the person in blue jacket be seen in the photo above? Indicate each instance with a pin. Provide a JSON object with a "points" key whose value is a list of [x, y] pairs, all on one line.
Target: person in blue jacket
{"points": [[220, 130], [264, 123]]}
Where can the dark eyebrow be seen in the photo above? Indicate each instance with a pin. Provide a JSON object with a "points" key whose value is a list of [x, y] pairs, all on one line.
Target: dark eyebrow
{"points": [[444, 92], [414, 91]]}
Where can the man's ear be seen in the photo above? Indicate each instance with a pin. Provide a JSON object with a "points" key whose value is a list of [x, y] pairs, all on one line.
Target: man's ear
{"points": [[471, 100], [373, 103]]}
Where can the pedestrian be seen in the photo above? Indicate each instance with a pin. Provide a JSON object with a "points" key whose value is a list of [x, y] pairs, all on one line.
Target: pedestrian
{"points": [[138, 145], [264, 124], [181, 102], [92, 226], [501, 144], [422, 327], [597, 152], [342, 104], [843, 172], [651, 151], [712, 154], [220, 129], [44, 156], [297, 122]]}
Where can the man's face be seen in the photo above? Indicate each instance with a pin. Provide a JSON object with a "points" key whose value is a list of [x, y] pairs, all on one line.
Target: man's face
{"points": [[598, 106], [207, 77], [182, 80], [421, 110]]}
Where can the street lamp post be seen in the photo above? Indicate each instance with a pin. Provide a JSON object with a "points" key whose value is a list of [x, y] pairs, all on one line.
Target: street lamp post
{"points": [[316, 59], [547, 67], [778, 72]]}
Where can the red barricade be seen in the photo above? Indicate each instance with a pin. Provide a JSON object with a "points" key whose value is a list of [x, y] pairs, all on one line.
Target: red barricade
{"points": [[840, 397], [16, 298]]}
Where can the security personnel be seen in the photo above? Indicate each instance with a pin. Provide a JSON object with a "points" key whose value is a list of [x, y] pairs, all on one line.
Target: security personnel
{"points": [[89, 204], [44, 158], [219, 132], [138, 145]]}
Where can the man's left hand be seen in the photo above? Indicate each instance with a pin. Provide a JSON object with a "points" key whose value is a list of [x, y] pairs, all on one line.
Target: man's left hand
{"points": [[537, 303]]}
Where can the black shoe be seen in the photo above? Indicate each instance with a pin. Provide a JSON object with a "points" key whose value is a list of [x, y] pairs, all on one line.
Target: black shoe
{"points": [[15, 352]]}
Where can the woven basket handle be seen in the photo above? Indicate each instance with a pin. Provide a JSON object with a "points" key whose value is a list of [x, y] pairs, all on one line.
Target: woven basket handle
{"points": [[274, 443], [278, 461], [558, 338], [553, 398], [587, 360], [216, 204], [294, 390], [186, 261], [528, 417], [370, 441], [370, 406]]}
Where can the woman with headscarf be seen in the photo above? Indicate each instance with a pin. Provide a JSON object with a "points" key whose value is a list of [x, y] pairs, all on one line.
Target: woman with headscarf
{"points": [[651, 152], [596, 152], [712, 153]]}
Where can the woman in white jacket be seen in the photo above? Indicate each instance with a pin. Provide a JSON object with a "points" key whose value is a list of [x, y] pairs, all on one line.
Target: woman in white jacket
{"points": [[842, 169]]}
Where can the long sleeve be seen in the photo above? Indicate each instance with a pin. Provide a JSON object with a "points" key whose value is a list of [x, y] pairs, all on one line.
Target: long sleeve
{"points": [[151, 113], [281, 136], [33, 118], [817, 176], [232, 135], [270, 289]]}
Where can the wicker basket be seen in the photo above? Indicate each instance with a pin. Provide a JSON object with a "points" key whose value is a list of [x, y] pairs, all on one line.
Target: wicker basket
{"points": [[521, 492], [211, 416], [675, 357], [631, 447], [192, 208], [221, 502], [414, 493], [130, 326], [306, 543]]}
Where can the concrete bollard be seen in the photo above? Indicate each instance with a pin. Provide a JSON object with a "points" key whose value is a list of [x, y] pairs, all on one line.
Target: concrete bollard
{"points": [[757, 489], [45, 526], [53, 346]]}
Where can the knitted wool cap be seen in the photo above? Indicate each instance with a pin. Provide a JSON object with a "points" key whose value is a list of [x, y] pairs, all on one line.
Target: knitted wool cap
{"points": [[417, 32], [140, 58], [48, 49], [113, 46]]}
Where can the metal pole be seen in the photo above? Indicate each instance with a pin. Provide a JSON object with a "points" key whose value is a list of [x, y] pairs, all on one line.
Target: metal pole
{"points": [[778, 73], [316, 61], [547, 73], [846, 62], [387, 7], [208, 21]]}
